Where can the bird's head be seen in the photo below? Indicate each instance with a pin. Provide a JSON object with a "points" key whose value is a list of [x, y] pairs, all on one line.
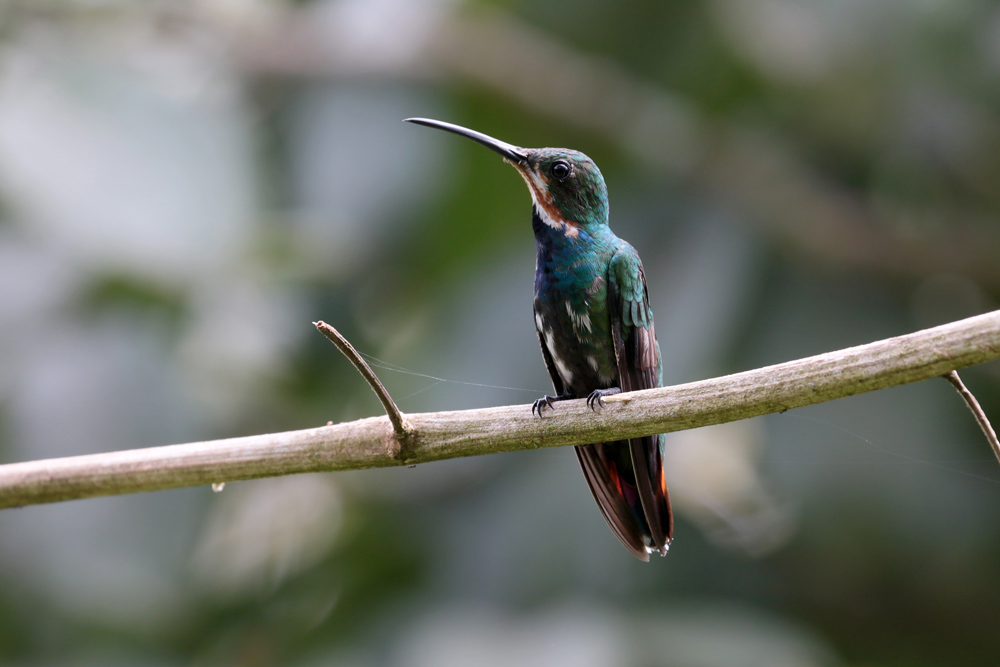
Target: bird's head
{"points": [[566, 186]]}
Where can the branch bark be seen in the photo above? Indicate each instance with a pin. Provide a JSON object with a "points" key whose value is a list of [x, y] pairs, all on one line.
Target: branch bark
{"points": [[370, 443]]}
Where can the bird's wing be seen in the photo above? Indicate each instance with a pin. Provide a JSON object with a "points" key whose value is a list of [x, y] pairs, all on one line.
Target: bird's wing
{"points": [[600, 471], [638, 358]]}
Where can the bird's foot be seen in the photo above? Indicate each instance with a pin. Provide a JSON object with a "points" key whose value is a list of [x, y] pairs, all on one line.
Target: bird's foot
{"points": [[547, 401], [596, 397]]}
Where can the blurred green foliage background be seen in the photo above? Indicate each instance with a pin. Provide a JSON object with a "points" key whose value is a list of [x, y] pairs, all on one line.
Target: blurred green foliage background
{"points": [[186, 186]]}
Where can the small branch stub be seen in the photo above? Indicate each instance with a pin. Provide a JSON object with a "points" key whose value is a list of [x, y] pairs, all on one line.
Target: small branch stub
{"points": [[400, 428], [977, 411]]}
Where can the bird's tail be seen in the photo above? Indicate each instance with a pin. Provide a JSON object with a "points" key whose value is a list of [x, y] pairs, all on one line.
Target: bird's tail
{"points": [[626, 478]]}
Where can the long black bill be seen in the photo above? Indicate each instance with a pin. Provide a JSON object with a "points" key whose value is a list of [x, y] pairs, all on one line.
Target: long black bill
{"points": [[509, 151]]}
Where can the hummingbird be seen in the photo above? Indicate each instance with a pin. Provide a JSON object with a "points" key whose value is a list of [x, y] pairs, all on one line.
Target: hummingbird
{"points": [[595, 328]]}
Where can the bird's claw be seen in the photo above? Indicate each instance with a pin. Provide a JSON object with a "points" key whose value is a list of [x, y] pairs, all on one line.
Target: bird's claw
{"points": [[596, 397], [540, 404]]}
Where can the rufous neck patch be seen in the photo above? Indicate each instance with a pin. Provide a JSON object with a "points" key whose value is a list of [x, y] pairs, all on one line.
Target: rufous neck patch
{"points": [[547, 211]]}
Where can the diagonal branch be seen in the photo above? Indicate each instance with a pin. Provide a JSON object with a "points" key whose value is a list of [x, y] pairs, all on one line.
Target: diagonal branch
{"points": [[441, 435], [977, 411], [395, 416]]}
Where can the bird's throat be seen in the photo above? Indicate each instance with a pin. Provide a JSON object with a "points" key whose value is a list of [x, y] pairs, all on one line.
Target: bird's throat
{"points": [[544, 208]]}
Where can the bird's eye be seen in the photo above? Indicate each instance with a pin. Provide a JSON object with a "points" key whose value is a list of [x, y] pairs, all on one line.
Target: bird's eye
{"points": [[560, 170]]}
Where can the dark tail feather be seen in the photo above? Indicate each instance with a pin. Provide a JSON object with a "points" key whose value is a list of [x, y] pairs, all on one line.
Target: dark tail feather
{"points": [[647, 461], [598, 471]]}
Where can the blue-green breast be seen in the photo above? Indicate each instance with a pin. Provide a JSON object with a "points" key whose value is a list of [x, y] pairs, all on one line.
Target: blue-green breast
{"points": [[571, 303]]}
